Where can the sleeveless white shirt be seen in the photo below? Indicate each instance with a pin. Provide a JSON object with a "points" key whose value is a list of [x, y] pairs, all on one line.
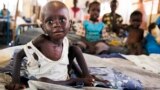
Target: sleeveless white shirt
{"points": [[44, 67]]}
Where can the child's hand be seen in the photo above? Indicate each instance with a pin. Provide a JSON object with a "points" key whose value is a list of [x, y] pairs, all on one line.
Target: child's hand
{"points": [[13, 86], [86, 81], [100, 80]]}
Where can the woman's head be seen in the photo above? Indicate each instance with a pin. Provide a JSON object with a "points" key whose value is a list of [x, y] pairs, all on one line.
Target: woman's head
{"points": [[153, 29], [94, 10]]}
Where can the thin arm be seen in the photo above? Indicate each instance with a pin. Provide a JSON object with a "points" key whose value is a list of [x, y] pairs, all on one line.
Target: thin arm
{"points": [[17, 65], [77, 53]]}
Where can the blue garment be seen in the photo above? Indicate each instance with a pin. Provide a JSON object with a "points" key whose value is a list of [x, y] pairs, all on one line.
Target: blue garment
{"points": [[151, 45], [93, 30], [112, 55], [118, 80], [158, 21], [1, 13]]}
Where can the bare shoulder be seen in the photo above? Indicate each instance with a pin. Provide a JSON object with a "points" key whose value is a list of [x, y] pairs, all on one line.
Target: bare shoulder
{"points": [[39, 40]]}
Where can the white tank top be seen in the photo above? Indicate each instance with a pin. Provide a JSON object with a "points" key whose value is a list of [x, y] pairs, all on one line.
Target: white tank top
{"points": [[44, 67]]}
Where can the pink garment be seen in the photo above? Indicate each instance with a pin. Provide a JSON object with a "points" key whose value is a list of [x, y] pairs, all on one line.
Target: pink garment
{"points": [[144, 19], [76, 14]]}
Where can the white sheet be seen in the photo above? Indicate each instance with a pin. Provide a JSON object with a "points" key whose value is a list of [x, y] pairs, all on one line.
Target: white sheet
{"points": [[6, 55], [151, 62], [34, 85]]}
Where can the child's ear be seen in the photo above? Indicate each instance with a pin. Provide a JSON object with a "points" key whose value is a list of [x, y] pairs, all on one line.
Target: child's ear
{"points": [[129, 20], [42, 26], [88, 11]]}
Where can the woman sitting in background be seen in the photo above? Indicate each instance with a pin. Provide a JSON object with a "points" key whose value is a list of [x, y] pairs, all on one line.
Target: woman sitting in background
{"points": [[152, 44]]}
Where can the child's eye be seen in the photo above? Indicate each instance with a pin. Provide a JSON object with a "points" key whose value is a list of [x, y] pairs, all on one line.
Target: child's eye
{"points": [[62, 20], [50, 22]]}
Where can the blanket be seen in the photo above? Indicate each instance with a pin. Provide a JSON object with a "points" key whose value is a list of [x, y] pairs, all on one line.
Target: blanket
{"points": [[150, 80], [34, 85], [151, 62], [7, 54]]}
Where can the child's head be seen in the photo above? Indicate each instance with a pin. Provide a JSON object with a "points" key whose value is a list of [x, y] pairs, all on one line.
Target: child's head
{"points": [[75, 2], [136, 19], [94, 10], [113, 5], [55, 20]]}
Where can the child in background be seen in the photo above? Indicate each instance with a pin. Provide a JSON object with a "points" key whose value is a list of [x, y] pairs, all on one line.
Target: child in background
{"points": [[49, 55], [93, 31], [151, 40], [112, 19], [134, 41], [76, 13]]}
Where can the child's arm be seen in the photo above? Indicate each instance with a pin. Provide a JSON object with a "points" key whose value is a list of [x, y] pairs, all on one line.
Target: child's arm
{"points": [[17, 66], [70, 82], [75, 52], [16, 85]]}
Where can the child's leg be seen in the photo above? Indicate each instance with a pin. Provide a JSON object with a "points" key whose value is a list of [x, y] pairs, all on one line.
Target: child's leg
{"points": [[101, 46], [82, 45]]}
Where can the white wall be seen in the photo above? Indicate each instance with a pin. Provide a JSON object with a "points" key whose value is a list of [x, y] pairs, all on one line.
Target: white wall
{"points": [[125, 6]]}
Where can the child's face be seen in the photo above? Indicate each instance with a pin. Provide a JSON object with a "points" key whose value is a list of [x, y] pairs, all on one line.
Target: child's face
{"points": [[136, 21], [56, 22], [94, 11]]}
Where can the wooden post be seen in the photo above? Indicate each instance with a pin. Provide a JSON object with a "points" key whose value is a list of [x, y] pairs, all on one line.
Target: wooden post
{"points": [[150, 18], [16, 14], [144, 18]]}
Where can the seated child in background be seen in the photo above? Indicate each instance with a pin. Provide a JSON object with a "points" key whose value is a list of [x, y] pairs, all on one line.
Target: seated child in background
{"points": [[113, 20], [93, 31], [152, 40], [49, 55], [134, 40]]}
